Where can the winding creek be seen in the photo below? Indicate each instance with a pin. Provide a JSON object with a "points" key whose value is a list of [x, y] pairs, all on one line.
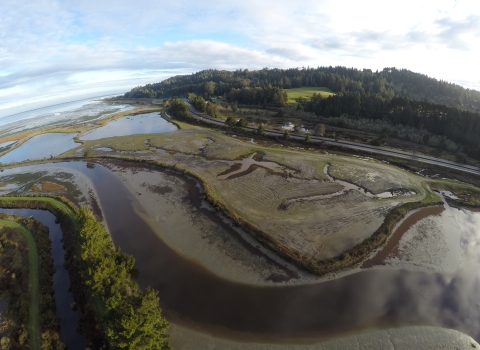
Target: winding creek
{"points": [[61, 281], [243, 166], [347, 187], [376, 298]]}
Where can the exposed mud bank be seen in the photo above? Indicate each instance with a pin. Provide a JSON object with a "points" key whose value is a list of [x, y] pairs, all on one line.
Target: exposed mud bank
{"points": [[196, 298], [349, 258], [181, 217]]}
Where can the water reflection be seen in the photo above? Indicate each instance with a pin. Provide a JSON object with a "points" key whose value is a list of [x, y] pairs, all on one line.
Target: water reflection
{"points": [[41, 146], [148, 123], [374, 298], [369, 299]]}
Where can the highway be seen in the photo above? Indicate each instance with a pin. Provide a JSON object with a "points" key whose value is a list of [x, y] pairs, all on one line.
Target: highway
{"points": [[348, 144]]}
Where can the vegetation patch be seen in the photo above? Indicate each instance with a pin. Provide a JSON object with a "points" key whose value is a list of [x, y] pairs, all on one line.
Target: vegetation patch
{"points": [[34, 182], [46, 186], [306, 93], [463, 194], [372, 175], [185, 141], [26, 285], [127, 317]]}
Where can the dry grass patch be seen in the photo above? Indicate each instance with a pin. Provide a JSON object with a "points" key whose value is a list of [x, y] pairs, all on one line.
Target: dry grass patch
{"points": [[307, 165], [319, 229], [119, 143], [259, 192], [374, 176], [189, 141], [228, 148], [51, 187], [46, 186]]}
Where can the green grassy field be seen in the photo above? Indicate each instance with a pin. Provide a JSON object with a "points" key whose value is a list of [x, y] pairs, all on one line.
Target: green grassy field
{"points": [[55, 203], [33, 284], [307, 92]]}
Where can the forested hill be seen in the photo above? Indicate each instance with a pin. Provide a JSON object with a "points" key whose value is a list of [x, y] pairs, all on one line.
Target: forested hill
{"points": [[264, 86]]}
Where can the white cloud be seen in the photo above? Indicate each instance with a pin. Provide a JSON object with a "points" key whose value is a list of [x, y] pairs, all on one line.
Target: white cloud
{"points": [[53, 47]]}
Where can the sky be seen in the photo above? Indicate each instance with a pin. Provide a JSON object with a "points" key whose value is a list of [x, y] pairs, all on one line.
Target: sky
{"points": [[53, 51]]}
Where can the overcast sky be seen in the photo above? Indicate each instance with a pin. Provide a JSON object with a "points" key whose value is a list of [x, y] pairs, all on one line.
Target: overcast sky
{"points": [[52, 51]]}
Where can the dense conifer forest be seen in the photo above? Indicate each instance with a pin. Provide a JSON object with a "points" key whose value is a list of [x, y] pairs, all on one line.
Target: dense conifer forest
{"points": [[394, 96]]}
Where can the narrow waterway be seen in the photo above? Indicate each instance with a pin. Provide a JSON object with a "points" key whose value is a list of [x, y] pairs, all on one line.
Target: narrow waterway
{"points": [[61, 281], [370, 299], [392, 244]]}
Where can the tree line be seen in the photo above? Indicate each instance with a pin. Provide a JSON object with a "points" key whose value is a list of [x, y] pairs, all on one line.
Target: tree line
{"points": [[114, 312], [130, 318], [260, 85], [395, 96], [451, 123], [199, 103]]}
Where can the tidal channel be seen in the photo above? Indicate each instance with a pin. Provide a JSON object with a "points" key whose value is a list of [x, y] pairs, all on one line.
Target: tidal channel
{"points": [[193, 296], [61, 282]]}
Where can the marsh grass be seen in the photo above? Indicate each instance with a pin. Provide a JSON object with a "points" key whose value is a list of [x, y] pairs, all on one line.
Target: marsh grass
{"points": [[467, 194]]}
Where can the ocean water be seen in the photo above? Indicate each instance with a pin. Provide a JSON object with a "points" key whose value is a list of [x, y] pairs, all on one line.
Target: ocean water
{"points": [[65, 113]]}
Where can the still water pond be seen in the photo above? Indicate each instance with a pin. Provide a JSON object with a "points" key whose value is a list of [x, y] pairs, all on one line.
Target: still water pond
{"points": [[148, 123], [374, 298], [41, 146]]}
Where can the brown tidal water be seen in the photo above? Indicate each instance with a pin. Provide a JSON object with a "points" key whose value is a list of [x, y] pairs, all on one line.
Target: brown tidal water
{"points": [[392, 243], [376, 298]]}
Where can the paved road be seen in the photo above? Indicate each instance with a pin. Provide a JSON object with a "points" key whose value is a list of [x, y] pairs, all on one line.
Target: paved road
{"points": [[353, 145]]}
